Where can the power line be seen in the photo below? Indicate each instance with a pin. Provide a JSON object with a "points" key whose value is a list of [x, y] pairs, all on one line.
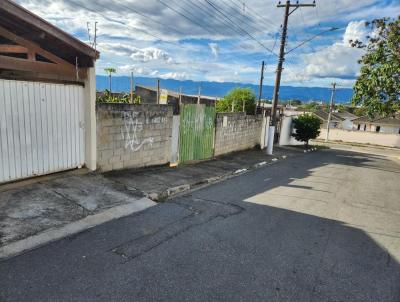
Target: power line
{"points": [[184, 16], [312, 38], [250, 22], [114, 21], [244, 31], [258, 15], [212, 31], [235, 27], [111, 20]]}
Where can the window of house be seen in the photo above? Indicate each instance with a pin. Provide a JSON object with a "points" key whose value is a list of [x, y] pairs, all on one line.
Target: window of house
{"points": [[365, 127], [399, 130], [358, 127], [378, 128]]}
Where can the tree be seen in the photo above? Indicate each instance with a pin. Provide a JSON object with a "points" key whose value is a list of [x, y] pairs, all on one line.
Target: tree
{"points": [[235, 98], [306, 127], [377, 88], [110, 71], [309, 106]]}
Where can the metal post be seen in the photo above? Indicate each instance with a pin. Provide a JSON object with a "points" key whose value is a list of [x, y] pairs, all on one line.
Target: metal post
{"points": [[199, 95], [330, 111], [261, 86], [131, 87], [158, 91]]}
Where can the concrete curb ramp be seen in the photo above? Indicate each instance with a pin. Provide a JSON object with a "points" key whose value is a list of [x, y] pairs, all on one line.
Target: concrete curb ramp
{"points": [[88, 222]]}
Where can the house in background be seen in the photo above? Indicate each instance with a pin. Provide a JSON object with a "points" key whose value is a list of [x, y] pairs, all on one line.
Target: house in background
{"points": [[336, 122], [389, 125], [339, 119], [362, 123], [347, 119]]}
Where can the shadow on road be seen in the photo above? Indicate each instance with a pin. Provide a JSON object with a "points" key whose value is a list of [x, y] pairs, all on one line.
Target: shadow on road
{"points": [[269, 235]]}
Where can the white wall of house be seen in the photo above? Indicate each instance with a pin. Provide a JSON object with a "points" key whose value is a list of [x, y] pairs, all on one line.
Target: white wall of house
{"points": [[286, 138], [347, 124], [362, 137], [363, 127], [389, 129]]}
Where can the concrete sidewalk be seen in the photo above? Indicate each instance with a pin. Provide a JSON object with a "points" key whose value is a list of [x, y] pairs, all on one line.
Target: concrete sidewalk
{"points": [[160, 183], [41, 210]]}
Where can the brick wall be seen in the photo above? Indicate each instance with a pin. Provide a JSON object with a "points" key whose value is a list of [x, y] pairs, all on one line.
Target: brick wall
{"points": [[237, 131], [132, 136]]}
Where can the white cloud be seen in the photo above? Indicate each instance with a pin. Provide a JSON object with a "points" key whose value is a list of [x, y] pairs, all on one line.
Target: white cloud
{"points": [[174, 75], [339, 59], [150, 54], [138, 54], [214, 49], [138, 70], [151, 39], [355, 30]]}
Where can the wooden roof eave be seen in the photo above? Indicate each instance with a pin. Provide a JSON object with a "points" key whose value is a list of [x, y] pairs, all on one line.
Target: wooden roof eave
{"points": [[21, 13]]}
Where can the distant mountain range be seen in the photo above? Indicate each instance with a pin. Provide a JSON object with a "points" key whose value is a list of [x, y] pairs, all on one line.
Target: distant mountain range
{"points": [[217, 89]]}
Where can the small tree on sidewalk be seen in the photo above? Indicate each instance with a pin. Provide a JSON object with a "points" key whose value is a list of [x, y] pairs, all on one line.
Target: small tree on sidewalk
{"points": [[306, 127]]}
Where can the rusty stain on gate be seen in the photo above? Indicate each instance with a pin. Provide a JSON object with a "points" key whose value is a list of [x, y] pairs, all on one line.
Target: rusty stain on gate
{"points": [[196, 139]]}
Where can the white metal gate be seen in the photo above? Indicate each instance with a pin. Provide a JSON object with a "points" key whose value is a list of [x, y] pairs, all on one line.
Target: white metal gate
{"points": [[41, 128]]}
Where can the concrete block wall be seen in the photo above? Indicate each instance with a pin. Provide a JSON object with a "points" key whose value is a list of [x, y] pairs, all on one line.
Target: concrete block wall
{"points": [[236, 131], [133, 136]]}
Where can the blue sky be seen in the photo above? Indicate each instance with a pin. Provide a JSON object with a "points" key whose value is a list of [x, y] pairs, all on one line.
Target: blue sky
{"points": [[219, 40]]}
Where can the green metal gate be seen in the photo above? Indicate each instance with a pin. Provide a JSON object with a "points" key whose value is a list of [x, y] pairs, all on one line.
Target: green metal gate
{"points": [[196, 133]]}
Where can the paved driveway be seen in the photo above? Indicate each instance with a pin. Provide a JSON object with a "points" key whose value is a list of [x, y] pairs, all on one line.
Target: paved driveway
{"points": [[322, 226]]}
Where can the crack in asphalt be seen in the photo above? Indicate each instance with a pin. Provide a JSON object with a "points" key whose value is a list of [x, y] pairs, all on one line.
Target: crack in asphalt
{"points": [[170, 232]]}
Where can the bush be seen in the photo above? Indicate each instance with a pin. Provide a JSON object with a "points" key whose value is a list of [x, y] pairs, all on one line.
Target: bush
{"points": [[306, 127], [107, 97], [237, 96]]}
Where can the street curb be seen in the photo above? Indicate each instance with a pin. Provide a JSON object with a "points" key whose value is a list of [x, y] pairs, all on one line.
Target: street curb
{"points": [[174, 191], [35, 241]]}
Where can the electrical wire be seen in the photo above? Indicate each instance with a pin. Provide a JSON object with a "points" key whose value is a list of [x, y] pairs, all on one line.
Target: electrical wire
{"points": [[241, 29]]}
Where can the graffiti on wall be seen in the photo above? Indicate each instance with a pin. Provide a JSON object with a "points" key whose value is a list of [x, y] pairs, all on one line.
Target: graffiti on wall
{"points": [[131, 132]]}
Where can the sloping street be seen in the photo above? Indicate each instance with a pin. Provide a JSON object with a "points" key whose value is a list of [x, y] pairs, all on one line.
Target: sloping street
{"points": [[322, 226]]}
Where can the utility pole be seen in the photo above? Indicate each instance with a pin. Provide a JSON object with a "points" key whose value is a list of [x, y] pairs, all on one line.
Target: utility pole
{"points": [[158, 91], [180, 96], [131, 87], [330, 110], [199, 95], [279, 68], [261, 85]]}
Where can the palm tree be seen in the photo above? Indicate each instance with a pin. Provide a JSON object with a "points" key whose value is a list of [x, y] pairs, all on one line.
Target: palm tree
{"points": [[110, 71]]}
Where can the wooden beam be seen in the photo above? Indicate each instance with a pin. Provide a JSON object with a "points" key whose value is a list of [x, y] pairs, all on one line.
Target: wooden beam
{"points": [[11, 63], [32, 46], [5, 48], [38, 77], [31, 55], [23, 14]]}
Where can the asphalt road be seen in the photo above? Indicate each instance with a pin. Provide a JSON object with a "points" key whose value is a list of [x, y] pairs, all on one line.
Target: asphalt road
{"points": [[322, 226]]}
